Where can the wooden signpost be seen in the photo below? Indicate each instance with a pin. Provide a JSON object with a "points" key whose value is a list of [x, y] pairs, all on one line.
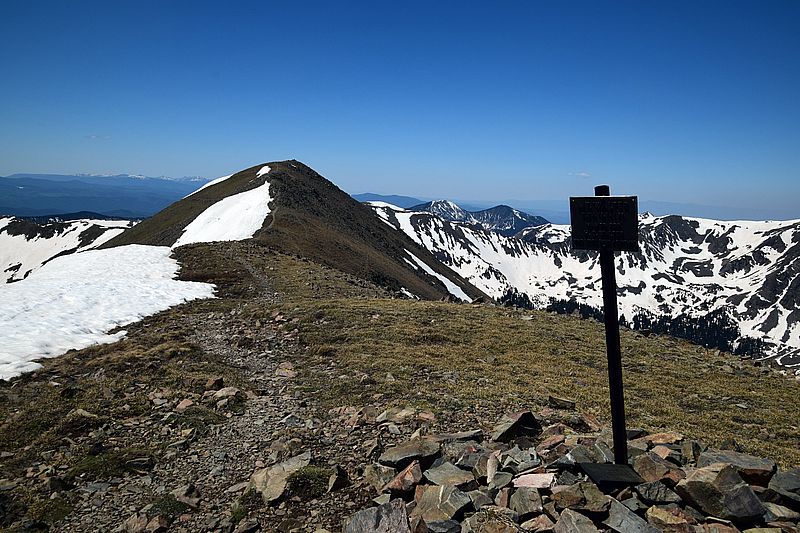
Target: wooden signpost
{"points": [[607, 224]]}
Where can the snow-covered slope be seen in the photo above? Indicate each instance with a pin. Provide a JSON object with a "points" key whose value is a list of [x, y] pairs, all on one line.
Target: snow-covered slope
{"points": [[25, 245], [74, 301], [502, 219], [732, 274]]}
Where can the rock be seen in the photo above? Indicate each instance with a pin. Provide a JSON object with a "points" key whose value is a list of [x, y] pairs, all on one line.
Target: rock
{"points": [[719, 491], [158, 524], [449, 474], [666, 521], [228, 393], [387, 518], [656, 492], [480, 498], [540, 524], [779, 513], [338, 479], [535, 481], [560, 403], [500, 480], [623, 520], [271, 482], [442, 502], [656, 439], [784, 488], [651, 467], [443, 526], [754, 470], [136, 523], [215, 383], [522, 424], [249, 525], [526, 502], [378, 475], [184, 405], [572, 522], [187, 494], [584, 496], [405, 481], [462, 436], [493, 519], [399, 456]]}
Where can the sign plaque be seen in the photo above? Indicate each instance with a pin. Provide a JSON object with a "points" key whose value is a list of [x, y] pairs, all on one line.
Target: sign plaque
{"points": [[607, 224]]}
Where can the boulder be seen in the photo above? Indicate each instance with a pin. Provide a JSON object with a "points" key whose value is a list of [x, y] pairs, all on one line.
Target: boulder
{"points": [[535, 481], [584, 496], [423, 450], [784, 488], [719, 491], [406, 480], [271, 482], [442, 502], [449, 474], [754, 470], [656, 492], [387, 518], [572, 522], [623, 520], [522, 424], [526, 502]]}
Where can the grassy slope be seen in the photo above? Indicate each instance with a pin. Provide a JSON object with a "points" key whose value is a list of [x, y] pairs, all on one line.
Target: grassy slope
{"points": [[469, 364]]}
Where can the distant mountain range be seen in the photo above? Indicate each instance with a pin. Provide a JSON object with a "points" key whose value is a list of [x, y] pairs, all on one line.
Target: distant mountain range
{"points": [[502, 219], [120, 196]]}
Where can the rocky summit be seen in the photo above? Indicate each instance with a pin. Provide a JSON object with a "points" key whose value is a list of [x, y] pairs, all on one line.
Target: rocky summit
{"points": [[522, 479]]}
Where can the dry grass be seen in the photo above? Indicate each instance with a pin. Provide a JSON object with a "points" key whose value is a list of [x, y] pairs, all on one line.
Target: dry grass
{"points": [[451, 356]]}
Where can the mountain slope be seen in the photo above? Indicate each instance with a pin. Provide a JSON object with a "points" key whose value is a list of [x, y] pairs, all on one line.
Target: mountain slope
{"points": [[394, 199], [733, 285], [503, 219], [311, 217], [26, 245]]}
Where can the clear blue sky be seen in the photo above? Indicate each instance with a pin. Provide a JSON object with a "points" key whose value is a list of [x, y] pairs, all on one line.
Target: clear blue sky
{"points": [[675, 101]]}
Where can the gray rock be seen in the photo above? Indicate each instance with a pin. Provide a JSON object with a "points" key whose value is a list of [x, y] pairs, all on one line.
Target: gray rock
{"points": [[449, 474], [526, 502], [719, 491], [583, 495], [443, 526], [480, 498], [402, 455], [271, 482], [754, 470], [387, 518], [784, 488], [443, 502], [500, 480], [338, 479], [656, 492], [623, 520], [378, 475], [522, 424], [779, 513], [572, 522]]}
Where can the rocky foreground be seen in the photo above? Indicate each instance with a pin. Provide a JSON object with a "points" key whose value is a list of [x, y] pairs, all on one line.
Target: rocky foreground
{"points": [[530, 477]]}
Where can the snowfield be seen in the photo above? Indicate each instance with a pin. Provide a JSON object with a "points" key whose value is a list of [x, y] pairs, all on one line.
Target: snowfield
{"points": [[75, 300], [233, 218], [20, 256]]}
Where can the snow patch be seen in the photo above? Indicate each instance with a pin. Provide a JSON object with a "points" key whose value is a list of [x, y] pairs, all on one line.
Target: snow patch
{"points": [[264, 170], [75, 300], [452, 288], [233, 218]]}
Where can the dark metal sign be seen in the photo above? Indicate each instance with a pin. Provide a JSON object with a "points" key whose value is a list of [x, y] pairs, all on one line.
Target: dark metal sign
{"points": [[605, 223], [608, 223]]}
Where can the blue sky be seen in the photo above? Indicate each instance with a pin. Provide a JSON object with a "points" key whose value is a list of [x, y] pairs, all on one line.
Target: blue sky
{"points": [[689, 102]]}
